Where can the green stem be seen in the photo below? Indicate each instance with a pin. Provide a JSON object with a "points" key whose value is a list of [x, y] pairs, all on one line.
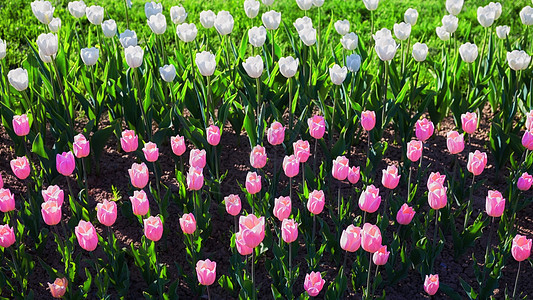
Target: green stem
{"points": [[383, 114], [435, 238], [516, 280], [487, 253], [259, 104], [368, 277], [148, 128], [127, 15], [409, 184], [85, 180], [469, 206], [481, 56], [69, 118]]}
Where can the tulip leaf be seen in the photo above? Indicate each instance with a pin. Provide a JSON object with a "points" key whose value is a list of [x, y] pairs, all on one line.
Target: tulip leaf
{"points": [[38, 146]]}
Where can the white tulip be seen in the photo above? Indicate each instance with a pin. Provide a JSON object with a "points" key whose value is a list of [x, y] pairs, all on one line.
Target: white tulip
{"points": [[268, 2], [45, 58], [353, 62], [308, 36], [302, 23], [168, 72], [3, 49], [224, 22], [371, 4], [503, 31], [383, 33], [349, 41], [420, 51], [257, 36], [410, 16], [95, 14], [454, 7], [497, 8], [18, 78], [304, 4], [288, 66], [158, 23], [468, 52], [450, 23], [402, 31], [48, 43], [89, 56], [442, 33], [43, 11], [178, 14], [386, 48], [342, 27], [518, 60], [207, 18], [318, 3], [271, 19], [109, 27], [152, 8], [54, 25], [253, 66], [337, 74], [485, 16], [187, 32], [526, 15], [128, 38], [77, 9], [206, 63], [251, 8], [134, 56]]}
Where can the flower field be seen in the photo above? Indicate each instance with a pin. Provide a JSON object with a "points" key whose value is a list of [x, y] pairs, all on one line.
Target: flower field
{"points": [[178, 157]]}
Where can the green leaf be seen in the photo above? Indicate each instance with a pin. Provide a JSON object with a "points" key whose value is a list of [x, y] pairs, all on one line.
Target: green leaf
{"points": [[38, 146]]}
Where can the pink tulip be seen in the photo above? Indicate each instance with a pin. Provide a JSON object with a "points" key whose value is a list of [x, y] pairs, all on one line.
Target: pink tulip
{"points": [[316, 202], [20, 167], [424, 129], [51, 213], [351, 238], [151, 152], [437, 198], [233, 204], [291, 166], [436, 177], [1, 181], [524, 182], [340, 168], [282, 207], [213, 135], [65, 163], [177, 144], [495, 204], [139, 175], [370, 238], [476, 162], [313, 283], [431, 284], [390, 177], [353, 175], [253, 230], [301, 150], [21, 125], [289, 230], [58, 288], [276, 133], [53, 193], [529, 120], [197, 158], [258, 157], [86, 235], [521, 248], [7, 200], [7, 236], [455, 142], [153, 228], [381, 256], [469, 122], [81, 146], [405, 214], [370, 199], [527, 140], [241, 245], [368, 120], [129, 141], [107, 212], [253, 183], [206, 271], [139, 203], [317, 126], [414, 150], [188, 223], [195, 179]]}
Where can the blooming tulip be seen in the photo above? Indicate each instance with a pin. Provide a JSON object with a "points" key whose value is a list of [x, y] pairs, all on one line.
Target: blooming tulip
{"points": [[139, 175], [18, 78], [288, 66], [59, 287], [53, 193], [81, 146], [197, 158], [370, 199], [86, 235], [302, 150], [253, 183], [368, 120], [317, 126], [139, 203], [257, 36], [476, 162], [253, 66], [410, 16], [258, 157], [468, 52], [178, 14], [402, 31], [371, 4], [253, 230], [308, 36], [526, 15], [351, 238], [207, 18], [89, 56], [205, 61], [282, 208], [518, 60], [65, 163], [420, 51], [521, 248], [177, 144], [7, 200], [313, 283], [153, 228], [386, 48], [48, 44], [271, 19], [405, 214], [276, 132], [224, 22], [524, 182], [233, 204], [349, 41], [353, 62], [495, 204], [289, 230], [187, 32], [455, 142], [340, 168], [450, 23], [241, 245], [424, 129], [107, 212], [291, 166], [43, 11], [337, 74], [353, 175], [206, 271], [527, 140], [128, 38], [195, 178], [152, 8], [20, 167], [469, 122], [436, 177], [77, 9], [134, 56], [486, 15], [304, 4], [316, 201], [251, 8], [95, 14], [437, 197], [7, 236], [431, 284], [302, 23], [390, 177], [129, 141], [414, 150], [342, 27], [21, 125], [213, 135], [381, 256], [109, 28], [3, 49], [370, 238], [167, 72], [502, 31], [442, 33], [51, 212], [188, 223]]}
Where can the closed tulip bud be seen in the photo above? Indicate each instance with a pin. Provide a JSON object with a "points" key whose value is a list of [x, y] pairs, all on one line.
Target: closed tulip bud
{"points": [[51, 212], [152, 8], [450, 23], [43, 11], [405, 214], [386, 49], [151, 152], [302, 150], [276, 133], [476, 162], [7, 236], [313, 283], [65, 163], [187, 32], [520, 249], [213, 135], [81, 146], [207, 18], [271, 19], [370, 238], [431, 284], [435, 177], [342, 27], [241, 245], [437, 197], [86, 235], [302, 23], [7, 200], [442, 33], [258, 157], [167, 72], [337, 74], [257, 36], [526, 15], [420, 51], [494, 204], [253, 66], [368, 120], [89, 56], [54, 25], [253, 183], [390, 177], [289, 230], [77, 9], [224, 23], [518, 60], [206, 271], [253, 230], [20, 167], [134, 56], [53, 193], [402, 31], [371, 4], [381, 256], [353, 62], [351, 238], [139, 203], [129, 141], [282, 207], [291, 166], [109, 28], [424, 129], [177, 144], [304, 4], [370, 199], [233, 204], [95, 14], [414, 150], [107, 212], [197, 158], [21, 125], [316, 201], [205, 61], [188, 223], [468, 52], [469, 122], [195, 179], [139, 175], [48, 44], [3, 49], [58, 288], [349, 41], [340, 168], [455, 142], [353, 175], [251, 8], [524, 182], [503, 31], [288, 66], [308, 36], [128, 38], [158, 23], [153, 228], [410, 16], [178, 14]]}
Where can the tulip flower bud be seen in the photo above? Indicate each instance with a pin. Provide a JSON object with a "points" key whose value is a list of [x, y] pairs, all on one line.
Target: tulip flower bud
{"points": [[271, 19], [54, 25], [7, 236], [197, 158], [129, 141], [405, 214], [188, 223], [313, 283], [251, 8], [351, 238], [253, 230], [253, 183], [340, 168], [308, 36], [468, 52], [276, 133], [65, 163], [390, 177], [349, 41], [207, 18], [431, 284], [224, 22], [386, 48], [257, 36], [526, 15], [59, 287], [414, 150], [107, 212], [3, 49], [353, 62], [206, 271], [337, 74], [450, 23], [48, 44], [205, 61], [424, 129], [213, 135], [53, 193], [342, 27], [153, 228], [233, 204], [455, 142], [503, 31], [134, 56], [494, 204], [371, 4], [420, 52], [139, 203], [370, 199], [442, 33], [241, 246], [178, 14], [410, 16], [282, 207], [7, 200], [370, 238], [152, 8], [381, 256], [520, 249], [187, 32], [288, 66], [476, 162], [402, 31], [195, 179], [524, 182], [77, 9], [302, 23], [51, 212], [258, 157], [316, 201], [437, 197], [291, 166], [21, 125], [43, 11], [353, 175], [289, 230], [469, 122], [253, 66], [128, 38], [86, 235], [486, 15], [95, 14], [139, 175], [178, 145], [81, 146], [158, 23], [20, 167], [168, 73], [109, 28], [518, 60], [436, 177], [368, 120]]}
